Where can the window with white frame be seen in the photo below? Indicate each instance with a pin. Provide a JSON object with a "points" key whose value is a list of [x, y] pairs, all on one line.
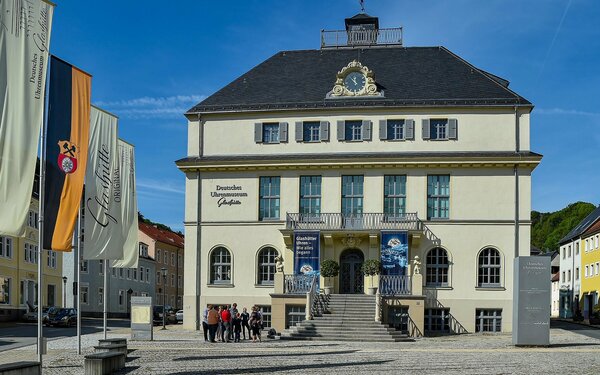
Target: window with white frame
{"points": [[158, 258], [352, 194], [143, 250], [121, 297], [577, 273], [354, 130], [269, 198], [101, 267], [437, 265], [569, 253], [568, 275], [84, 294], [310, 196], [129, 274], [396, 130], [165, 257], [311, 131], [180, 261], [5, 284], [100, 296], [120, 273], [220, 266], [33, 219], [394, 196], [83, 266], [51, 259], [173, 259], [270, 133], [179, 281], [135, 274], [142, 274], [147, 275], [437, 320], [265, 313], [586, 271], [158, 278], [438, 197], [266, 265], [489, 264], [294, 314], [172, 280], [488, 320], [31, 253], [6, 247]]}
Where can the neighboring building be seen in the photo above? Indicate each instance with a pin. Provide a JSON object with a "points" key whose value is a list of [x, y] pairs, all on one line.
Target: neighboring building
{"points": [[555, 299], [123, 283], [570, 266], [590, 264], [19, 270], [167, 248], [352, 141]]}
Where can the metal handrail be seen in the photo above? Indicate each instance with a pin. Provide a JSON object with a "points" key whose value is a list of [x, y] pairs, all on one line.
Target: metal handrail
{"points": [[413, 330], [393, 285], [351, 38], [364, 221], [311, 298], [298, 284]]}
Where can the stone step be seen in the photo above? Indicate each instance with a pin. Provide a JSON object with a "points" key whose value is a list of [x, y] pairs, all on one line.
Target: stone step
{"points": [[364, 338], [333, 330]]}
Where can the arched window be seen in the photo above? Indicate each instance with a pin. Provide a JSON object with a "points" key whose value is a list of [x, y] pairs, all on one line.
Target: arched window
{"points": [[266, 265], [220, 266], [437, 267], [489, 265]]}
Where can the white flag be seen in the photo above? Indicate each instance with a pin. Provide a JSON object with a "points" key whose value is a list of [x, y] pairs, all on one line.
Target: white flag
{"points": [[24, 42], [102, 202], [129, 212]]}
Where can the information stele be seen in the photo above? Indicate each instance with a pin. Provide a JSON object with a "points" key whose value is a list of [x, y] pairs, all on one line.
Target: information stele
{"points": [[141, 319]]}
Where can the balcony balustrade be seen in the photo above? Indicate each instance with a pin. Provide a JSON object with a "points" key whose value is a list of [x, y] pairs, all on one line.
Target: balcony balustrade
{"points": [[394, 285], [298, 284], [366, 221], [357, 38]]}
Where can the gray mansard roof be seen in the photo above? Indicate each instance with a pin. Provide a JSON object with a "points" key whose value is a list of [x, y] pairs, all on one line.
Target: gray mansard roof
{"points": [[408, 76]]}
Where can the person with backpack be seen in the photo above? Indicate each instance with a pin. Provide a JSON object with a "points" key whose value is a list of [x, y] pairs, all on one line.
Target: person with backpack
{"points": [[237, 327], [255, 324]]}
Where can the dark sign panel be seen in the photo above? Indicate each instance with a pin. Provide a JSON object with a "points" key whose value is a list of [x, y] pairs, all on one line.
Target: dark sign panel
{"points": [[307, 253], [394, 253]]}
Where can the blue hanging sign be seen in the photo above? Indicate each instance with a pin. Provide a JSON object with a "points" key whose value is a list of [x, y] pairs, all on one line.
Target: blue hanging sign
{"points": [[307, 252], [394, 253]]}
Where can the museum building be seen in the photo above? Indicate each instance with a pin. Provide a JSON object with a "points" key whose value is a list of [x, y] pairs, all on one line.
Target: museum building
{"points": [[361, 150]]}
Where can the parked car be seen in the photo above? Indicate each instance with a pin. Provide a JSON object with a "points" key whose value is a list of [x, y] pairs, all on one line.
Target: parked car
{"points": [[33, 315], [179, 316], [157, 315], [51, 313], [64, 317]]}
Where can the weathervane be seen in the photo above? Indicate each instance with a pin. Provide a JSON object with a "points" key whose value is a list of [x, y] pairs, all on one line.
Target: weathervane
{"points": [[362, 5]]}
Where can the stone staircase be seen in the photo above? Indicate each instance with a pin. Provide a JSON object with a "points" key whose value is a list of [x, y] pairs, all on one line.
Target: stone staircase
{"points": [[346, 317]]}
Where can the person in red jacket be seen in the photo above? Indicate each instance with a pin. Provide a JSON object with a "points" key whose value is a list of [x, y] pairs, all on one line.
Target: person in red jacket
{"points": [[226, 319]]}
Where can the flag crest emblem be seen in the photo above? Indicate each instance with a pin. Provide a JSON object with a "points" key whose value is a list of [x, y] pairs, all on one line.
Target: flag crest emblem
{"points": [[67, 157]]}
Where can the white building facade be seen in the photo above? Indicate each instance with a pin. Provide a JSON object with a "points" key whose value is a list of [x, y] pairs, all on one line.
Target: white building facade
{"points": [[352, 143]]}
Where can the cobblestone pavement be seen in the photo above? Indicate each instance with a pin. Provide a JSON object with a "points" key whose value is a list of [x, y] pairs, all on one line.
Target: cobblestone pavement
{"points": [[177, 351]]}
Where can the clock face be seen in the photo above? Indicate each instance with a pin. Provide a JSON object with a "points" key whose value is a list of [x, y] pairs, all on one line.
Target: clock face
{"points": [[355, 82]]}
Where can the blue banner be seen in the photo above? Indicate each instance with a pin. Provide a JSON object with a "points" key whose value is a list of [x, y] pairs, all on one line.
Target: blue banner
{"points": [[307, 252], [394, 253]]}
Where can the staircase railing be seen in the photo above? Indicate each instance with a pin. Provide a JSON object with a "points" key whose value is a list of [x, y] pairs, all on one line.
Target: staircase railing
{"points": [[454, 325], [413, 330], [312, 297]]}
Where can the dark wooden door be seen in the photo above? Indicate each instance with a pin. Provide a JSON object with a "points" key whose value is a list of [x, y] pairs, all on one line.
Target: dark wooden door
{"points": [[351, 278]]}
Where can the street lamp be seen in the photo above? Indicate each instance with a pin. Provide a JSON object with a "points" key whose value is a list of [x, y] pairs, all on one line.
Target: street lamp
{"points": [[64, 291], [164, 275]]}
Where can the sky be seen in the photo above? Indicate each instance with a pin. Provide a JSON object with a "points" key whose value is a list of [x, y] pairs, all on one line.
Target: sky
{"points": [[153, 60]]}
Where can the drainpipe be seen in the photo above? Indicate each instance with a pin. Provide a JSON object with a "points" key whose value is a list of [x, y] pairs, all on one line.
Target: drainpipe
{"points": [[516, 172], [574, 306], [198, 237]]}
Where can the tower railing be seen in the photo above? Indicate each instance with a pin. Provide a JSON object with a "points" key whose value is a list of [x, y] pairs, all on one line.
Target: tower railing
{"points": [[361, 38]]}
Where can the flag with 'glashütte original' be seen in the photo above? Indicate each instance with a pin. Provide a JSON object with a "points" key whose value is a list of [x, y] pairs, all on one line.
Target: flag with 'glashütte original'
{"points": [[67, 140]]}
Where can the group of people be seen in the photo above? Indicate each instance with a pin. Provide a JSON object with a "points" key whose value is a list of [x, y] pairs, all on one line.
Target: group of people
{"points": [[225, 323]]}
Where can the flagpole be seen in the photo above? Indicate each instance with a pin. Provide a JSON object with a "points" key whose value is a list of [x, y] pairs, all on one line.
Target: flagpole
{"points": [[105, 307], [41, 239], [78, 267]]}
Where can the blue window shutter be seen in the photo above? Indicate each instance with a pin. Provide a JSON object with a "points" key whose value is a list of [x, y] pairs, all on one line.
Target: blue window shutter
{"points": [[366, 130], [383, 130], [452, 128], [425, 129], [409, 130], [324, 131], [341, 131], [258, 133], [283, 132], [299, 131]]}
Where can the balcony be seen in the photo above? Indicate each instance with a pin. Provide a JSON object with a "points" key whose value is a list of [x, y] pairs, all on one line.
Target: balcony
{"points": [[353, 222], [361, 38]]}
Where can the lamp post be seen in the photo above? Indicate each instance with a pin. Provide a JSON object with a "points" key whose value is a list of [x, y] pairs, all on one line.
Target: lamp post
{"points": [[164, 275], [64, 291]]}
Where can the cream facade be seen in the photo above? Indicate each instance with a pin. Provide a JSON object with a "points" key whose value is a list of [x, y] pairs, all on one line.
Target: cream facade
{"points": [[454, 174], [19, 258]]}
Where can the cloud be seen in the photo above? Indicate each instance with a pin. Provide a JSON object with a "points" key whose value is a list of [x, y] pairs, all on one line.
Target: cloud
{"points": [[152, 107], [564, 111], [161, 186]]}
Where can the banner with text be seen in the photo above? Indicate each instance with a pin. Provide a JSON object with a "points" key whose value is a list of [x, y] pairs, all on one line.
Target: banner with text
{"points": [[307, 253], [129, 208], [102, 202], [24, 42], [394, 253]]}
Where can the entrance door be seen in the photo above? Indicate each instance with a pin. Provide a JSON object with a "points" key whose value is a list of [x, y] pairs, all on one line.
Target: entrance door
{"points": [[351, 278]]}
